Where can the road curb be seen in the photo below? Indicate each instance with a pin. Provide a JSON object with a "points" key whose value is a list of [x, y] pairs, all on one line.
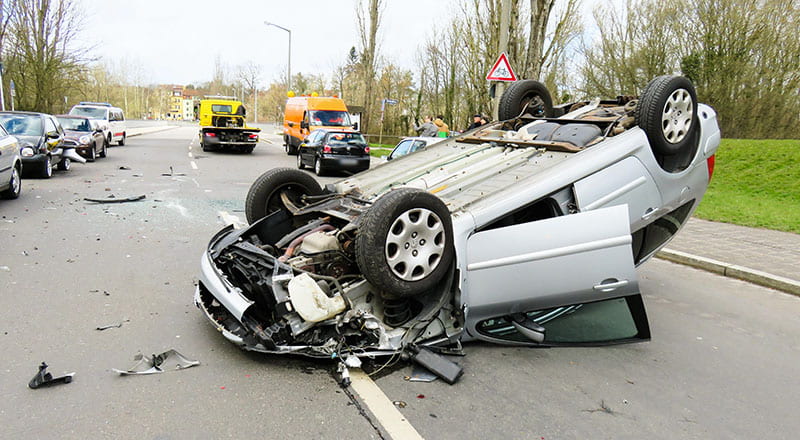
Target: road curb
{"points": [[732, 271]]}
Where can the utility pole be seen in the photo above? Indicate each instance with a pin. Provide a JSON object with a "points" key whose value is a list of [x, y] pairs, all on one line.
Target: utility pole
{"points": [[505, 20], [255, 104]]}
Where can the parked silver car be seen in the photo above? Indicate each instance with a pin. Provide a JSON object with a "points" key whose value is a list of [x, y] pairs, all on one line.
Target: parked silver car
{"points": [[525, 232], [10, 166]]}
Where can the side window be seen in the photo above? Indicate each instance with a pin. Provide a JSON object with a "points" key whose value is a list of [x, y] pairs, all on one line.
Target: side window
{"points": [[49, 126], [121, 116], [3, 132], [418, 145], [401, 149]]}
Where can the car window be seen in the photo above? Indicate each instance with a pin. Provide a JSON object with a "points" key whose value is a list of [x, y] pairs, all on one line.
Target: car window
{"points": [[50, 126], [345, 138], [330, 118], [3, 131], [402, 149], [92, 112], [75, 124], [418, 145], [221, 108], [23, 125]]}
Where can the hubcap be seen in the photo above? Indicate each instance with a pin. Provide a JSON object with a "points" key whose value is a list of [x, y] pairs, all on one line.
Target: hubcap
{"points": [[66, 164], [299, 161], [15, 181], [48, 167], [676, 118], [317, 166], [415, 244]]}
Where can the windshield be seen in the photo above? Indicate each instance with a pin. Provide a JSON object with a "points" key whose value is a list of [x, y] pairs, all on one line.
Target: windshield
{"points": [[94, 113], [75, 124], [330, 118], [346, 138], [220, 108], [23, 125]]}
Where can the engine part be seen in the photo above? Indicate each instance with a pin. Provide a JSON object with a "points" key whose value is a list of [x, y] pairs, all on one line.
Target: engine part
{"points": [[311, 302]]}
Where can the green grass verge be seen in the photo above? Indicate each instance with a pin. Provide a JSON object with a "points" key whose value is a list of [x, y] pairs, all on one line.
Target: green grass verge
{"points": [[755, 183], [379, 150]]}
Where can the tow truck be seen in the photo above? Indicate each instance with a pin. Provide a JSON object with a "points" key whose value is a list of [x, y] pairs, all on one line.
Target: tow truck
{"points": [[223, 125]]}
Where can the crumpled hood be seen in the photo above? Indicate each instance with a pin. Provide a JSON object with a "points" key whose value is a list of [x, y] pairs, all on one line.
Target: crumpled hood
{"points": [[25, 141]]}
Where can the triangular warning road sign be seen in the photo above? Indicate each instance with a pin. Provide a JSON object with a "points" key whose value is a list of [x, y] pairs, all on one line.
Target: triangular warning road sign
{"points": [[501, 70]]}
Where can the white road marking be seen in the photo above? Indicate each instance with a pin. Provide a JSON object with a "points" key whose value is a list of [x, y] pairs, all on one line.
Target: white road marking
{"points": [[230, 219], [194, 165], [381, 407], [190, 154], [196, 182]]}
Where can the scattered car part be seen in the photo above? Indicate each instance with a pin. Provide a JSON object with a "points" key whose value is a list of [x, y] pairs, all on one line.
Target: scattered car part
{"points": [[171, 173], [166, 361], [106, 327], [115, 200], [45, 379], [444, 368]]}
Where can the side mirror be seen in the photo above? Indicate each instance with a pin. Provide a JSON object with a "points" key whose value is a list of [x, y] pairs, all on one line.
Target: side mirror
{"points": [[355, 126], [291, 124], [303, 124]]}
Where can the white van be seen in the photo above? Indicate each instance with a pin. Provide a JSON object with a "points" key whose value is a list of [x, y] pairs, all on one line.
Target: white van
{"points": [[112, 119]]}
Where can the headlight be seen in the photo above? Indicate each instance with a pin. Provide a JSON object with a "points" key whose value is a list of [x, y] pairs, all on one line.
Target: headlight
{"points": [[84, 139], [26, 152]]}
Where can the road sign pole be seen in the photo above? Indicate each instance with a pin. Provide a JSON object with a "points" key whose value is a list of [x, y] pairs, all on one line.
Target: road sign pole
{"points": [[505, 19]]}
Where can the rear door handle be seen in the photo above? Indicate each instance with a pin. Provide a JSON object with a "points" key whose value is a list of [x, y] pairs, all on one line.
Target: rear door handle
{"points": [[609, 285]]}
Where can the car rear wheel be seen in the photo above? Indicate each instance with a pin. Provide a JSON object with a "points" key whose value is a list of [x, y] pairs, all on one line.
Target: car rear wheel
{"points": [[300, 164], [108, 140], [103, 150], [14, 185], [265, 194], [404, 244], [93, 154], [318, 170], [667, 112], [47, 169], [65, 164], [526, 96], [122, 141]]}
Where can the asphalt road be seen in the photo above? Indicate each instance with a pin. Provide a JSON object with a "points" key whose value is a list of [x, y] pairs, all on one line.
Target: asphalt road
{"points": [[723, 362]]}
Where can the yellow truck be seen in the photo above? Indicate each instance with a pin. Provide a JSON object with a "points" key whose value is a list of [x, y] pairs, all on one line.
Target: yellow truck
{"points": [[223, 125]]}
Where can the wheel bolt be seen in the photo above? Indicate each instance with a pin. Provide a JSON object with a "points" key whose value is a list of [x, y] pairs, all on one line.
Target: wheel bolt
{"points": [[407, 245], [414, 253], [413, 235], [422, 242]]}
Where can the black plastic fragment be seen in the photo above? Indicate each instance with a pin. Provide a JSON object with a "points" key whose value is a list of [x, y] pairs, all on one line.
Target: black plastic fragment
{"points": [[45, 379], [448, 370], [123, 200]]}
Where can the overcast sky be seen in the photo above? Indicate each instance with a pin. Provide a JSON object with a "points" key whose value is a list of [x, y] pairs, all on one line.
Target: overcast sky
{"points": [[176, 41]]}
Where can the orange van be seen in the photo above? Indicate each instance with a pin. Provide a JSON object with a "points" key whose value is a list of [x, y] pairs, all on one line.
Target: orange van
{"points": [[304, 114]]}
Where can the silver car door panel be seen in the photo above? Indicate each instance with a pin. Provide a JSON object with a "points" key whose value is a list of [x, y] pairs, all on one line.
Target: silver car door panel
{"points": [[559, 261]]}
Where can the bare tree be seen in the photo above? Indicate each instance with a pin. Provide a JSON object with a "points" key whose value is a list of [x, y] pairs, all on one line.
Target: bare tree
{"points": [[250, 76], [368, 24]]}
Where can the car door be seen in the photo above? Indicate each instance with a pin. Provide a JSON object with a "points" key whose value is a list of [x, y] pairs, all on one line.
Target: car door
{"points": [[7, 146], [307, 150], [523, 282]]}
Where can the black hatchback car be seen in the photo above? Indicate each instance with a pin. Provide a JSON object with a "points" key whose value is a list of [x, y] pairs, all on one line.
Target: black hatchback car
{"points": [[41, 141], [334, 150]]}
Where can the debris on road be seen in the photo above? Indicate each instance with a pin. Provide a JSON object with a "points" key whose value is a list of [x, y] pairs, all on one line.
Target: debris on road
{"points": [[168, 360], [421, 374], [106, 327], [399, 404], [45, 379], [5, 268], [124, 168], [111, 199], [172, 173]]}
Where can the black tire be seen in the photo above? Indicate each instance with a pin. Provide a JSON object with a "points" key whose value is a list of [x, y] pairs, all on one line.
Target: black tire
{"points": [[108, 140], [519, 97], [47, 169], [93, 154], [14, 185], [318, 170], [393, 214], [64, 164], [264, 196], [300, 164], [103, 152], [122, 141], [663, 95]]}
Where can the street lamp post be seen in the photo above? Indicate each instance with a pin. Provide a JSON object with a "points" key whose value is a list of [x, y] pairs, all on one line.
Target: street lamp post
{"points": [[289, 64]]}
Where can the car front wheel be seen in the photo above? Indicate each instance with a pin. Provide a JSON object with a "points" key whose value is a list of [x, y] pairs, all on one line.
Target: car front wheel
{"points": [[266, 193], [47, 169], [667, 112], [14, 185], [404, 244], [65, 164]]}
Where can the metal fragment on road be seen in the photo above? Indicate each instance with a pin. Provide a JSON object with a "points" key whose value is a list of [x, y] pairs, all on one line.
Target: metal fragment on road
{"points": [[45, 379], [106, 327], [166, 361], [422, 374], [113, 200]]}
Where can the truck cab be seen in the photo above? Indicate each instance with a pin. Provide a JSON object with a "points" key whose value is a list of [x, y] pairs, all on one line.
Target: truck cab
{"points": [[223, 125]]}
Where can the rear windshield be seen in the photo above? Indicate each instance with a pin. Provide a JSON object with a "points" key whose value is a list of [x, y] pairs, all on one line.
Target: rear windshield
{"points": [[330, 118], [92, 112], [23, 125], [219, 108], [75, 124], [346, 138]]}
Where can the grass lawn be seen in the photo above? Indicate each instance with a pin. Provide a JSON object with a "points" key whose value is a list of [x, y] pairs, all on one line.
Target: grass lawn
{"points": [[379, 150], [755, 183]]}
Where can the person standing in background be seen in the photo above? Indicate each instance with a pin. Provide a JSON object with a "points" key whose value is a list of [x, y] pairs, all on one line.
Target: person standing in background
{"points": [[443, 131], [427, 129]]}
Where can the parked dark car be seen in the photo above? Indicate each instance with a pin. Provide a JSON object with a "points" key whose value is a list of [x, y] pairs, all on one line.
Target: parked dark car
{"points": [[333, 150], [85, 134], [40, 139]]}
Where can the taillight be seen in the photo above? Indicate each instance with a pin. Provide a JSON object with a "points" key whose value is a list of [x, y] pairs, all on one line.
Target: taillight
{"points": [[710, 162], [326, 149], [211, 135], [366, 149], [253, 136]]}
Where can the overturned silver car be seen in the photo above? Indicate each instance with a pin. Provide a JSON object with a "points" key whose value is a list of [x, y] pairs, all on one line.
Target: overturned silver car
{"points": [[524, 232]]}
